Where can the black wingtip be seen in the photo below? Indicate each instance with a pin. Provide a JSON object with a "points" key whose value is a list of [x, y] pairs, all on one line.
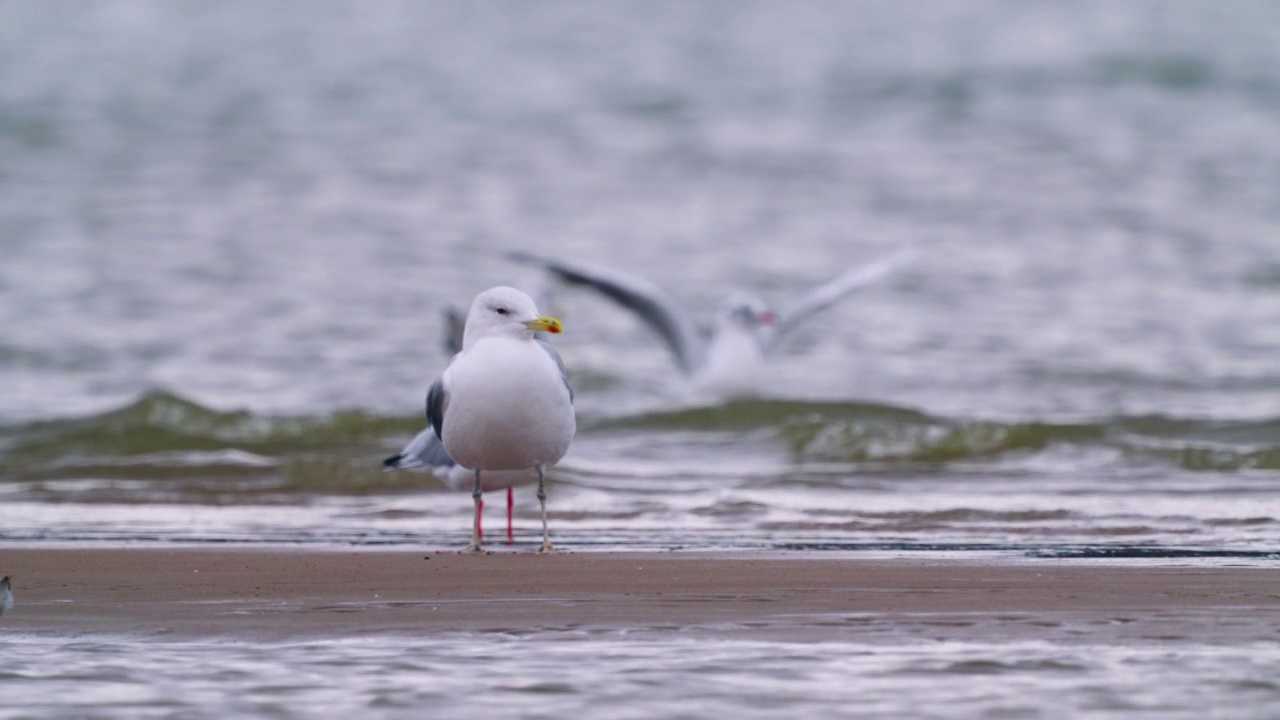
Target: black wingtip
{"points": [[392, 462]]}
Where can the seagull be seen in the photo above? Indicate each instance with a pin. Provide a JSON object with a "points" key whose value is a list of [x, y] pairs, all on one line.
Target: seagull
{"points": [[6, 596], [503, 407], [726, 361], [426, 453]]}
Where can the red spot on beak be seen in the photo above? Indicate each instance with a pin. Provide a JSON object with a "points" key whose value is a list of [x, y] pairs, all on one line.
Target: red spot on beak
{"points": [[766, 318]]}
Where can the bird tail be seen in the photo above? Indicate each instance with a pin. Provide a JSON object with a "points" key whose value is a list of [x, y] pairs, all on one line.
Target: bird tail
{"points": [[424, 452], [400, 461]]}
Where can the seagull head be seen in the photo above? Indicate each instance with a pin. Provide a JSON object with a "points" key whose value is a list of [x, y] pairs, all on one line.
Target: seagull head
{"points": [[505, 311], [746, 313]]}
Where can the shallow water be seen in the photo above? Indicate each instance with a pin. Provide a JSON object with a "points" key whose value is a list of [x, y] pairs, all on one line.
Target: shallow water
{"points": [[583, 676], [742, 475], [228, 232]]}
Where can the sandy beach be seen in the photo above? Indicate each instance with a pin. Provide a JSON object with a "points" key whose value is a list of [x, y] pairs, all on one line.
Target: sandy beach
{"points": [[292, 594]]}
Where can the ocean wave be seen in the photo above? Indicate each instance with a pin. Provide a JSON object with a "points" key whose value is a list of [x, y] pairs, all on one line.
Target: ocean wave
{"points": [[867, 432], [160, 422], [181, 447]]}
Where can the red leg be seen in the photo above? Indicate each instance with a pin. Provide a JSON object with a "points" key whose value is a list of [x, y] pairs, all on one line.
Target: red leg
{"points": [[511, 538], [480, 520]]}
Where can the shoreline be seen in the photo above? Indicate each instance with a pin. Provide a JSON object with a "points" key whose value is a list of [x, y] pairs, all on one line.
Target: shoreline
{"points": [[276, 595]]}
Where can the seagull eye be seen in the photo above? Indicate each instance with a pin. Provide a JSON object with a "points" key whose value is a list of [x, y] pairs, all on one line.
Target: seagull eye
{"points": [[502, 311]]}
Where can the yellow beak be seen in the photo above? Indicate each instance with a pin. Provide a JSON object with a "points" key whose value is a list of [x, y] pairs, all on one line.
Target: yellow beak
{"points": [[545, 324]]}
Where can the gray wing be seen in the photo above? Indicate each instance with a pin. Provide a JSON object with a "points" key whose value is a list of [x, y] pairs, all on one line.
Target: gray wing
{"points": [[826, 295], [564, 374], [424, 452], [636, 294], [437, 400]]}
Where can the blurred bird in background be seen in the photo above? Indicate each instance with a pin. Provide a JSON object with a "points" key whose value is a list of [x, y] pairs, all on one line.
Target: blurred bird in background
{"points": [[724, 360]]}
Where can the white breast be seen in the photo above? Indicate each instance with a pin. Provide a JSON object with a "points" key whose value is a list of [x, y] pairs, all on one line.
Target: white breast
{"points": [[732, 365], [508, 407]]}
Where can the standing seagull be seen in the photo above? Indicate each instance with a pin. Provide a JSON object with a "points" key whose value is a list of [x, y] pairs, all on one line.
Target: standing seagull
{"points": [[504, 403], [727, 360], [425, 453]]}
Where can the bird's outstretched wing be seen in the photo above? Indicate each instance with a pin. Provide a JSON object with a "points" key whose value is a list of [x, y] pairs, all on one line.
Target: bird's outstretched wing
{"points": [[826, 295], [636, 294]]}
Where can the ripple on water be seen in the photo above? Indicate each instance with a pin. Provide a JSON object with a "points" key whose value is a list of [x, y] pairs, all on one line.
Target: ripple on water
{"points": [[559, 674]]}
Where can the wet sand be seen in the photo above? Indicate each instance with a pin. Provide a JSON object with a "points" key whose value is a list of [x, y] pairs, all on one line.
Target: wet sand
{"points": [[296, 594]]}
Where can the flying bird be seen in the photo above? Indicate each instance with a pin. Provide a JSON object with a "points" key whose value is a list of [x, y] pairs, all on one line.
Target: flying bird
{"points": [[727, 360], [503, 407]]}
